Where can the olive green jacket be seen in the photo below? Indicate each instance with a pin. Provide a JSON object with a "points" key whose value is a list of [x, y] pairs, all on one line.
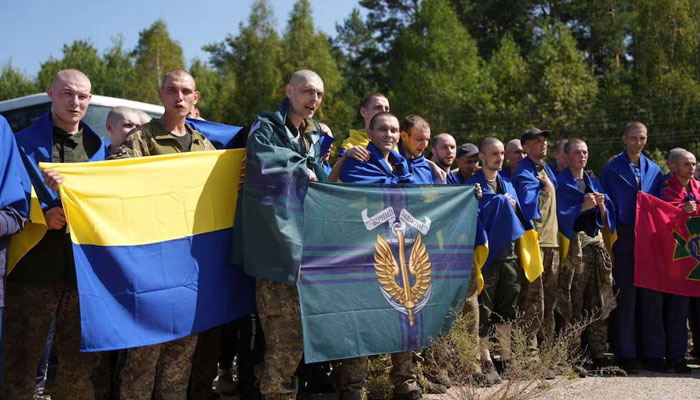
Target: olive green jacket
{"points": [[152, 139]]}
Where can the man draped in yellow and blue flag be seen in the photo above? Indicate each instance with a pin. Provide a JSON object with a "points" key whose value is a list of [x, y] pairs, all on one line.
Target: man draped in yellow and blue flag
{"points": [[385, 166], [500, 215], [14, 209], [584, 210], [43, 284], [624, 176], [536, 185]]}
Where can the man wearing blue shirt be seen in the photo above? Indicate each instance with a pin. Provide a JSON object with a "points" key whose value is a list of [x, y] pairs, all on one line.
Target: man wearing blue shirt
{"points": [[468, 162], [626, 174], [386, 166], [415, 136]]}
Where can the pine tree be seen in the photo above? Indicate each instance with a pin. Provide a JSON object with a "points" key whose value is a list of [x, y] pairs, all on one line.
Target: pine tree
{"points": [[563, 84], [435, 72], [304, 48], [250, 62], [156, 55]]}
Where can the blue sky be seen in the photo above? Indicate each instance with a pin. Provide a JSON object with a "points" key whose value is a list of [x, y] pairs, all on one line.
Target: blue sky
{"points": [[36, 29]]}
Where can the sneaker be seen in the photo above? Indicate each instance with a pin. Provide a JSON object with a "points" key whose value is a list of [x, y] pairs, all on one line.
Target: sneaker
{"points": [[629, 365], [492, 376], [480, 380], [224, 383]]}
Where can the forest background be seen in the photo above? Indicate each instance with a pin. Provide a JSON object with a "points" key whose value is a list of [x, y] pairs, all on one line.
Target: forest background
{"points": [[471, 67]]}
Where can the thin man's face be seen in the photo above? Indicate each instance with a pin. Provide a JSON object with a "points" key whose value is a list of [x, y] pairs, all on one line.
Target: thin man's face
{"points": [[635, 140], [385, 134]]}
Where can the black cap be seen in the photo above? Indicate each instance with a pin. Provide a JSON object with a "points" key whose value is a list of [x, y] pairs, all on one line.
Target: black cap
{"points": [[533, 133], [467, 150]]}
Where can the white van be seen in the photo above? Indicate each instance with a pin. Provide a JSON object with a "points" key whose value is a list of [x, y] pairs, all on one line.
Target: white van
{"points": [[23, 111]]}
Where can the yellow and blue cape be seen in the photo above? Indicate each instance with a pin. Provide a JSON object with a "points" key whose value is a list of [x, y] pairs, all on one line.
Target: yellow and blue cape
{"points": [[569, 204]]}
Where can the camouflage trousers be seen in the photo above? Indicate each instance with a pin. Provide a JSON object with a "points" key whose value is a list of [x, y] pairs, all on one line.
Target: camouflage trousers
{"points": [[29, 309], [586, 286], [280, 318], [538, 299], [163, 369], [349, 376]]}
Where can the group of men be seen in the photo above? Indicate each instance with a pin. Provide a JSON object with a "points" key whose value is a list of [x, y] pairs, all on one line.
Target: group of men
{"points": [[569, 209]]}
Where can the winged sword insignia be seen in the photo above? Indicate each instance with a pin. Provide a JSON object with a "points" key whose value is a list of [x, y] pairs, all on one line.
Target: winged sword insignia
{"points": [[408, 299]]}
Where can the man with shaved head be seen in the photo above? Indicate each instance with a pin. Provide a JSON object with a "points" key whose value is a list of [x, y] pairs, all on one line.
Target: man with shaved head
{"points": [[514, 154], [167, 135], [144, 117], [560, 159], [283, 153], [625, 175], [354, 146], [445, 153], [683, 191], [120, 121], [43, 287]]}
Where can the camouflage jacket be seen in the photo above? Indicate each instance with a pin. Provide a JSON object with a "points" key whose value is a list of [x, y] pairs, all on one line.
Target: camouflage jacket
{"points": [[152, 139]]}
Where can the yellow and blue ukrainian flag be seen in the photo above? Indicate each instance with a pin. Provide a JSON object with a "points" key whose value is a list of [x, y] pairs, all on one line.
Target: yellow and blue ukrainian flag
{"points": [[152, 245]]}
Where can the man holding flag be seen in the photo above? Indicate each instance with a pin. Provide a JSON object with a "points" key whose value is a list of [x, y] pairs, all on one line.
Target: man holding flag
{"points": [[625, 175], [583, 210], [385, 166], [167, 135], [682, 191], [43, 284]]}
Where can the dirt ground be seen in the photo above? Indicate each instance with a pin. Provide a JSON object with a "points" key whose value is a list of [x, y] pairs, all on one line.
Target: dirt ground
{"points": [[644, 386]]}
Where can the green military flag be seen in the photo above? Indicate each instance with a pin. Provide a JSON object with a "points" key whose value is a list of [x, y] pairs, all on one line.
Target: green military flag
{"points": [[384, 269]]}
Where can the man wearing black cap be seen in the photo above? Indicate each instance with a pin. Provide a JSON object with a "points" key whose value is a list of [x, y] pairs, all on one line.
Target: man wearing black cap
{"points": [[468, 162], [535, 185]]}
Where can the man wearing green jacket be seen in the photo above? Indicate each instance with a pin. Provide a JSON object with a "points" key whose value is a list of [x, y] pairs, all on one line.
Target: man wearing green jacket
{"points": [[282, 156]]}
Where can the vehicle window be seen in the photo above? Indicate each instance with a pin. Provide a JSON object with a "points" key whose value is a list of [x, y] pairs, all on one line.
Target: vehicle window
{"points": [[21, 118], [96, 117]]}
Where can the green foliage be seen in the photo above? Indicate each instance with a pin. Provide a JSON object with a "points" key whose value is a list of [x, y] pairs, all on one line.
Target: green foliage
{"points": [[510, 90], [562, 82], [471, 67], [435, 70], [304, 48], [362, 62], [81, 55], [13, 83], [156, 55], [250, 63], [120, 72]]}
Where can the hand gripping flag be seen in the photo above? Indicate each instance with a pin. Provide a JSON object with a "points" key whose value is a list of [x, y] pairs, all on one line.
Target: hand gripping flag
{"points": [[384, 268], [152, 244], [667, 248]]}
